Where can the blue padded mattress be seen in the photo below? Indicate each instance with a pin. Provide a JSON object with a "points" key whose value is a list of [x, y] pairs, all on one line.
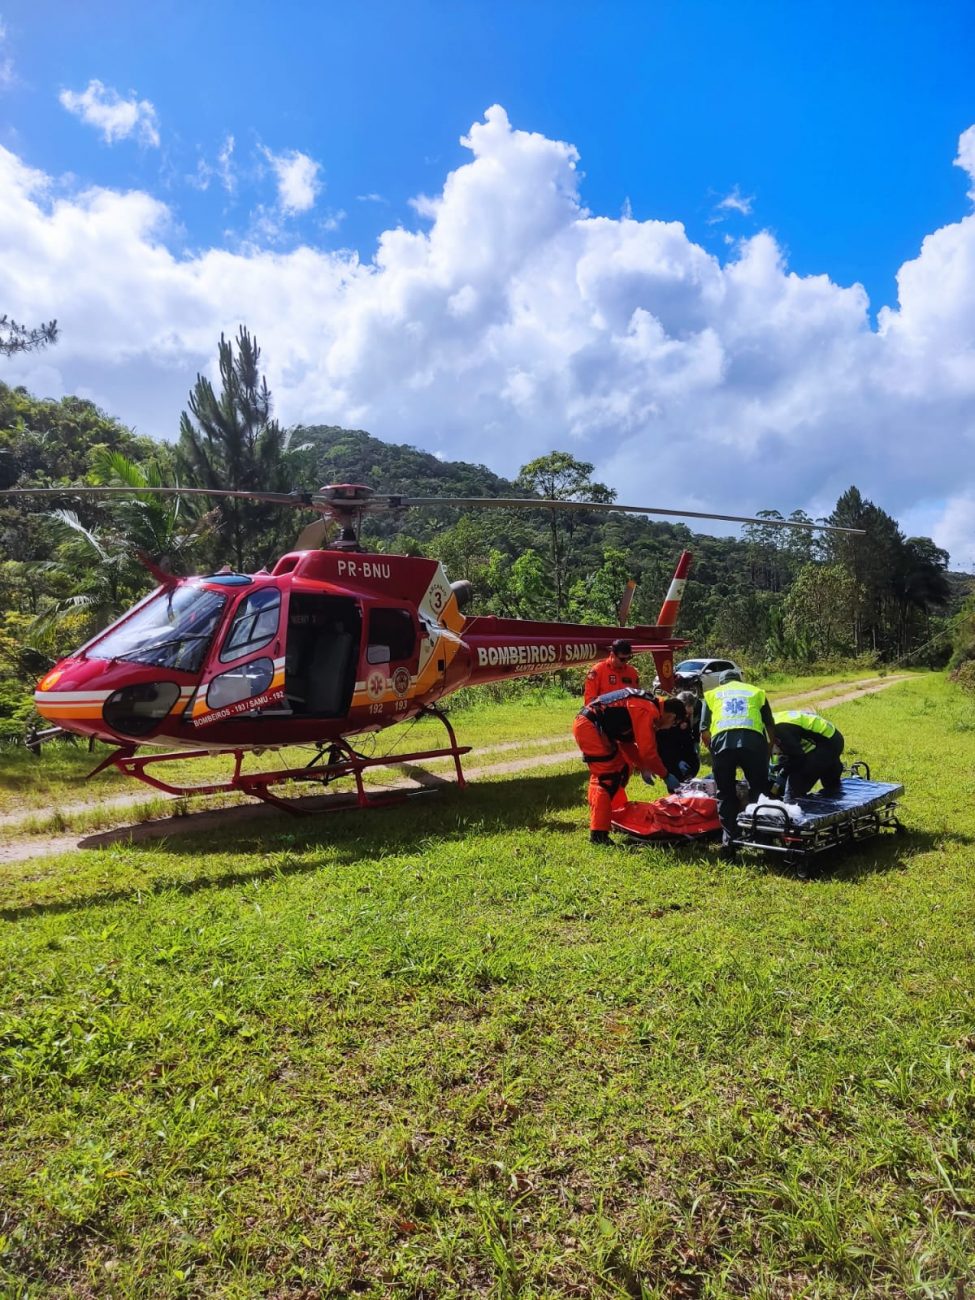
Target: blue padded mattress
{"points": [[819, 810]]}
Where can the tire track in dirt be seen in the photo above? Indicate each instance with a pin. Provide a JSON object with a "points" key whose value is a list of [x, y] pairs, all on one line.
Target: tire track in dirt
{"points": [[417, 780], [865, 686]]}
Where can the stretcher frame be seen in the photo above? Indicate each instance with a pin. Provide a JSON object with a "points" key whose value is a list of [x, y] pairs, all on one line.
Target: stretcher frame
{"points": [[824, 827]]}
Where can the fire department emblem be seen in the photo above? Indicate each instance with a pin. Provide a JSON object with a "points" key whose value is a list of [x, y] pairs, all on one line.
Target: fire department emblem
{"points": [[401, 681]]}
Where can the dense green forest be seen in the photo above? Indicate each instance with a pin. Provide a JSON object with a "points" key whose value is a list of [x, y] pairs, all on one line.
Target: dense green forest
{"points": [[771, 596]]}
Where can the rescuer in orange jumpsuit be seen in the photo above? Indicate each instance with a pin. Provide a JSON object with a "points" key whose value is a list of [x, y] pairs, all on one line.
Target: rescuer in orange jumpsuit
{"points": [[612, 673], [617, 732]]}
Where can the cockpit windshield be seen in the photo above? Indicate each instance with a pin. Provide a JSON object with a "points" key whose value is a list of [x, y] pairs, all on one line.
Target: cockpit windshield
{"points": [[173, 630]]}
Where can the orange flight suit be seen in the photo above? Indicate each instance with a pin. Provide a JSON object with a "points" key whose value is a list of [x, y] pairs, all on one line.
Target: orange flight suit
{"points": [[604, 676], [616, 732]]}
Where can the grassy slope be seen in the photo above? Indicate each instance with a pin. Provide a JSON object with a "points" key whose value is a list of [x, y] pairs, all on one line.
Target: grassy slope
{"points": [[453, 1050]]}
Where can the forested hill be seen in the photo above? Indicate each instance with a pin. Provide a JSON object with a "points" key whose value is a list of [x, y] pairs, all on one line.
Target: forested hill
{"points": [[354, 456]]}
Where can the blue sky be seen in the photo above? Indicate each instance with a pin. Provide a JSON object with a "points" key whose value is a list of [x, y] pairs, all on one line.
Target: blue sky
{"points": [[837, 120], [303, 132]]}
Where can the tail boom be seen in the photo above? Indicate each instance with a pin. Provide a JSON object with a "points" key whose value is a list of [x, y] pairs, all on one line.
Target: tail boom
{"points": [[500, 648]]}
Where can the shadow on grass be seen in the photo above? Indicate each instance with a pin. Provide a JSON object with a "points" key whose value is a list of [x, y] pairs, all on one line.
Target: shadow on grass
{"points": [[885, 852], [550, 803], [415, 824]]}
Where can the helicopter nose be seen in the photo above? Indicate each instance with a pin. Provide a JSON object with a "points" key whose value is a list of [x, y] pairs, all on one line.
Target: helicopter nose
{"points": [[68, 697], [100, 698]]}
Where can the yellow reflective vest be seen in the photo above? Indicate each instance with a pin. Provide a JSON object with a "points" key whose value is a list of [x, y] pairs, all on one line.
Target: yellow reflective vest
{"points": [[736, 706], [804, 721]]}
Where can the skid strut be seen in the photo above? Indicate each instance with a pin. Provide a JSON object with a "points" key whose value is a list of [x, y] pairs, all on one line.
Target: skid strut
{"points": [[334, 759]]}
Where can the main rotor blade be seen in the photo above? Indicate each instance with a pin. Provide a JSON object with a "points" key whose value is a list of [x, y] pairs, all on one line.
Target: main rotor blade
{"points": [[301, 500], [538, 503], [340, 508]]}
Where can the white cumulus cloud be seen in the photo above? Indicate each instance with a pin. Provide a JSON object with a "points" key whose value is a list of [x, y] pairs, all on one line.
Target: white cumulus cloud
{"points": [[297, 178], [735, 202], [966, 157], [513, 320], [116, 118]]}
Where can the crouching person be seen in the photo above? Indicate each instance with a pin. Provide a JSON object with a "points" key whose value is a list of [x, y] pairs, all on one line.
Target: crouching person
{"points": [[616, 733], [678, 746], [811, 747]]}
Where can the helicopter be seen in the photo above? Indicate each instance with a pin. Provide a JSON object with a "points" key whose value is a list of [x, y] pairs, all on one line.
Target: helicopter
{"points": [[332, 642]]}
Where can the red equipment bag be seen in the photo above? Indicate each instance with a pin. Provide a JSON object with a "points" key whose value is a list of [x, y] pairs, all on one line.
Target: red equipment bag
{"points": [[678, 817]]}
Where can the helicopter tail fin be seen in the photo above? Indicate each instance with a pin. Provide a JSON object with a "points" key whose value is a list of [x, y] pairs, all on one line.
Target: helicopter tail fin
{"points": [[667, 618], [626, 600]]}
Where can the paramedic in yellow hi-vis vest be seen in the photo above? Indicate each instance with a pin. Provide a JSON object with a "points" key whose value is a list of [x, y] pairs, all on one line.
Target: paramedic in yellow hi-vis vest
{"points": [[810, 747], [738, 729]]}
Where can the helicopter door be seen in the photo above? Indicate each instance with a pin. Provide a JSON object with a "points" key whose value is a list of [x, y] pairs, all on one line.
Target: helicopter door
{"points": [[391, 654], [324, 633], [247, 670]]}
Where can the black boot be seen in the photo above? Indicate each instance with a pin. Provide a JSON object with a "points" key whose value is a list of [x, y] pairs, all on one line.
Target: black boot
{"points": [[599, 837]]}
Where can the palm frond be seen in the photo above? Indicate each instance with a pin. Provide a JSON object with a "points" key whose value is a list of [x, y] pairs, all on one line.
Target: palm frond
{"points": [[70, 520]]}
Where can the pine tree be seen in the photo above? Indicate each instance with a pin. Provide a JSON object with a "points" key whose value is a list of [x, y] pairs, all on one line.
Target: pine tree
{"points": [[231, 441], [15, 337]]}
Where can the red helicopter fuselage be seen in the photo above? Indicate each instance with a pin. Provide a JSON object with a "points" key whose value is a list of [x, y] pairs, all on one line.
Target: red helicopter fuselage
{"points": [[328, 644]]}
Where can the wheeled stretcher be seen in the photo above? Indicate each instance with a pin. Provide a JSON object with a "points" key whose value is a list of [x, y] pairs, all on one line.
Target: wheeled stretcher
{"points": [[862, 810]]}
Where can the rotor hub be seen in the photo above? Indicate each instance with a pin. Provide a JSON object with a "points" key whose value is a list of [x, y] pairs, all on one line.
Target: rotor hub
{"points": [[343, 494], [346, 503]]}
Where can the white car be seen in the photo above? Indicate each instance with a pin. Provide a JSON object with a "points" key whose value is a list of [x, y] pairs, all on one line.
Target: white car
{"points": [[704, 671]]}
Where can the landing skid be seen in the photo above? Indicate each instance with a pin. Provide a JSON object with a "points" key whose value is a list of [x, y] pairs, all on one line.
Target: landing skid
{"points": [[334, 759]]}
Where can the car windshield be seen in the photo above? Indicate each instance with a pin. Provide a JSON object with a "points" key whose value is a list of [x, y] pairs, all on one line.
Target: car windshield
{"points": [[690, 666], [173, 630]]}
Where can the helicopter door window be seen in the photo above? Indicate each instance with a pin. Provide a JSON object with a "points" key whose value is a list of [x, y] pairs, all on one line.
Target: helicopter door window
{"points": [[240, 683], [255, 623], [392, 636]]}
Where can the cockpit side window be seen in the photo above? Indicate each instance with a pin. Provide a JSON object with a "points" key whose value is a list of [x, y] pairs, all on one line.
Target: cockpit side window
{"points": [[254, 624]]}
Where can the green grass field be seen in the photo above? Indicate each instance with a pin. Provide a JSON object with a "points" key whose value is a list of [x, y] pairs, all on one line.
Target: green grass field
{"points": [[451, 1049]]}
